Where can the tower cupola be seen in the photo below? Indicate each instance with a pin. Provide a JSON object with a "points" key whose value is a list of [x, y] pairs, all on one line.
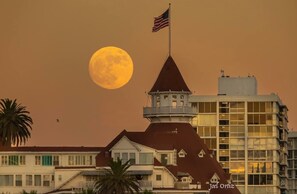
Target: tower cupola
{"points": [[169, 97]]}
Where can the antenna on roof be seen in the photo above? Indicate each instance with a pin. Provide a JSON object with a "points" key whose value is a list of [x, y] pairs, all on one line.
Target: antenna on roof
{"points": [[222, 73]]}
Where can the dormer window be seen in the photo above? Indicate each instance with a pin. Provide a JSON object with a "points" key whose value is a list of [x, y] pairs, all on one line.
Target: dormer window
{"points": [[165, 97], [214, 179], [201, 154], [186, 179], [182, 153], [181, 96], [164, 159]]}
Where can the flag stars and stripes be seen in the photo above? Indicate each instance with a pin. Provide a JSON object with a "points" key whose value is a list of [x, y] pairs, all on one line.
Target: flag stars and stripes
{"points": [[161, 21]]}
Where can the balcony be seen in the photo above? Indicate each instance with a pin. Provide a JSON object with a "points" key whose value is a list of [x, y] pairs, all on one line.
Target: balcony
{"points": [[181, 185], [169, 111], [145, 184]]}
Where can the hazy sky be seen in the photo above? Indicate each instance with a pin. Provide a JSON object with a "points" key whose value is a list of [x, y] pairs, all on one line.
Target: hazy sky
{"points": [[46, 45]]}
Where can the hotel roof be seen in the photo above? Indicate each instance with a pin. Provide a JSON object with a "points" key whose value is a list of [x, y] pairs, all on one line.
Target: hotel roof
{"points": [[170, 79], [170, 136]]}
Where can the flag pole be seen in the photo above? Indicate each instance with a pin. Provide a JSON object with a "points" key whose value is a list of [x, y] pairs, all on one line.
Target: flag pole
{"points": [[169, 29]]}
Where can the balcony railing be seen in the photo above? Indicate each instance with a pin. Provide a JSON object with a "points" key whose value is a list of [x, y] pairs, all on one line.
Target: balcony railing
{"points": [[182, 185], [145, 184], [169, 110]]}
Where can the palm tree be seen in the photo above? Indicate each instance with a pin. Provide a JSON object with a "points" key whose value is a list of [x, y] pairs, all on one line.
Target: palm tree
{"points": [[116, 180], [15, 123]]}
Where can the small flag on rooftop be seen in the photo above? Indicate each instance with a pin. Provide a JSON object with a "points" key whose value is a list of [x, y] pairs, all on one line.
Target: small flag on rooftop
{"points": [[161, 21]]}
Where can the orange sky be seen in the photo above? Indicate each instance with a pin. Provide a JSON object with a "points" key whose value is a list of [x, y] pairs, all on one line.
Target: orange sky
{"points": [[45, 48]]}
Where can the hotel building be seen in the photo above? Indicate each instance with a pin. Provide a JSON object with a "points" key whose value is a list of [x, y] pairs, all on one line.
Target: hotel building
{"points": [[247, 133], [168, 157], [292, 162], [46, 169]]}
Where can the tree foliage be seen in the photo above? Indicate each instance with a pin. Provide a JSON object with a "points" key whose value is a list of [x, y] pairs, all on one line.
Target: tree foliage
{"points": [[15, 123], [116, 180]]}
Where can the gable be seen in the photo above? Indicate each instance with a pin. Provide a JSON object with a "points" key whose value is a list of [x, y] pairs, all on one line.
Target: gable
{"points": [[182, 153], [215, 178], [124, 144], [201, 153]]}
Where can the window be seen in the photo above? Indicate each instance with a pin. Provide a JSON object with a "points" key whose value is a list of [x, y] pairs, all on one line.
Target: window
{"points": [[124, 157], [174, 103], [236, 167], [259, 119], [207, 131], [37, 160], [290, 172], [259, 179], [158, 104], [237, 154], [37, 180], [236, 106], [47, 160], [29, 180], [116, 156], [46, 180], [158, 101], [207, 107], [260, 106], [164, 159], [4, 160], [262, 131], [238, 179], [60, 177], [132, 158], [18, 180], [260, 167], [56, 160], [70, 160], [158, 177], [146, 158], [22, 160], [6, 180], [13, 160], [182, 103], [80, 160], [91, 160], [211, 143]]}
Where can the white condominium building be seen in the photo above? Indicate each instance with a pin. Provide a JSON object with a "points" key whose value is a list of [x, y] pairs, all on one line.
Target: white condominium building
{"points": [[247, 132], [292, 162]]}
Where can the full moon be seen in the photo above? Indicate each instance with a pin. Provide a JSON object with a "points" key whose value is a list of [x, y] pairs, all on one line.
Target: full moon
{"points": [[111, 67]]}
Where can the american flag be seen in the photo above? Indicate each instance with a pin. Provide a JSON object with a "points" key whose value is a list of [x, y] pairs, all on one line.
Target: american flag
{"points": [[161, 21]]}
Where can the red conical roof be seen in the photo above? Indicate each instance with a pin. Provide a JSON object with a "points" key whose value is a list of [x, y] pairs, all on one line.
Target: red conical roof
{"points": [[170, 78]]}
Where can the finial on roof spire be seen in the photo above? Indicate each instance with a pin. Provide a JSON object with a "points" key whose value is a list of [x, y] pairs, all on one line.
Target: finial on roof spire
{"points": [[222, 73]]}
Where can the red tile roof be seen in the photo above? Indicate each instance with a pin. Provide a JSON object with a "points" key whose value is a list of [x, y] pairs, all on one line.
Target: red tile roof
{"points": [[170, 79], [169, 136]]}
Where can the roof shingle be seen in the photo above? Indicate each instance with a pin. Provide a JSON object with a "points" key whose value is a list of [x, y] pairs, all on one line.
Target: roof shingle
{"points": [[170, 79], [169, 136]]}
